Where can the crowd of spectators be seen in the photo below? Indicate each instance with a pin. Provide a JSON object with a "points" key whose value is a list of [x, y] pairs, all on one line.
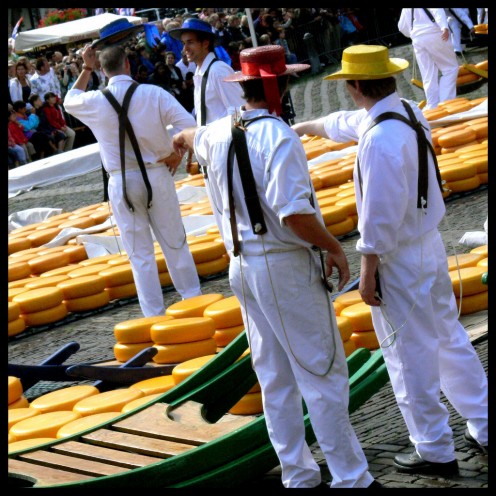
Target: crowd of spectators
{"points": [[162, 62]]}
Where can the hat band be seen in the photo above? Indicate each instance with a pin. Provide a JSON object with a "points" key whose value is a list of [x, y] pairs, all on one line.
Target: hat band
{"points": [[367, 68], [253, 68]]}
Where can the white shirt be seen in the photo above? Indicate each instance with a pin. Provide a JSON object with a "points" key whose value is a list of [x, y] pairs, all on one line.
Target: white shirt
{"points": [[151, 111], [281, 173], [387, 213], [190, 67], [422, 24], [221, 98], [45, 83], [462, 14]]}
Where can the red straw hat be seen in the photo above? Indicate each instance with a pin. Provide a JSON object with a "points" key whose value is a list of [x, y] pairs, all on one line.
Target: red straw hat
{"points": [[266, 63]]}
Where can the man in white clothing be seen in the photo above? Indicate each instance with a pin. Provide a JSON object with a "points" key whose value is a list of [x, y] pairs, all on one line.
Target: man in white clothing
{"points": [[414, 310], [146, 200], [457, 19], [429, 31]]}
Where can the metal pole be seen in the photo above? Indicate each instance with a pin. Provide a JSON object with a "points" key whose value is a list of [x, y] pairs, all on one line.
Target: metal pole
{"points": [[252, 29]]}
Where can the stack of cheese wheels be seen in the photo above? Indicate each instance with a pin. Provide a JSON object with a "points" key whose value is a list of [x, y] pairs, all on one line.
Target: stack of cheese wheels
{"points": [[188, 367], [226, 313], [108, 401], [18, 270], [41, 306], [16, 398], [48, 261], [192, 307], [345, 300], [155, 385], [84, 293], [83, 423], [42, 426], [467, 283], [16, 323], [209, 257], [182, 339], [63, 399], [360, 317], [119, 281], [346, 330], [133, 335]]}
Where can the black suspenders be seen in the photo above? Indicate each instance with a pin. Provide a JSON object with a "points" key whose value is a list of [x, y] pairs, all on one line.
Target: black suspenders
{"points": [[125, 125], [203, 107], [429, 15]]}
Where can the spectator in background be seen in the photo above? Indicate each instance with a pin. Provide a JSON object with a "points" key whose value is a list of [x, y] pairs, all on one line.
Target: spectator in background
{"points": [[17, 151], [44, 80], [170, 43], [57, 138], [144, 57], [176, 81], [56, 119], [281, 40], [70, 75], [245, 29], [160, 77], [233, 28], [349, 29], [233, 50], [185, 65], [142, 75], [19, 85]]}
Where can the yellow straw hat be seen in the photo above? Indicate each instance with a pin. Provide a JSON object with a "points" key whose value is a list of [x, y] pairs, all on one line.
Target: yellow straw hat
{"points": [[368, 62]]}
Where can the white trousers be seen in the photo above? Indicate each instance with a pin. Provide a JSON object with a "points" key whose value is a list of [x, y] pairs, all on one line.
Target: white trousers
{"points": [[294, 338], [164, 217], [456, 34], [432, 351], [436, 56]]}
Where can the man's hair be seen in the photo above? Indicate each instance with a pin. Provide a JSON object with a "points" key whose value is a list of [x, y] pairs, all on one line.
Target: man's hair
{"points": [[40, 63], [376, 88], [113, 59], [253, 89]]}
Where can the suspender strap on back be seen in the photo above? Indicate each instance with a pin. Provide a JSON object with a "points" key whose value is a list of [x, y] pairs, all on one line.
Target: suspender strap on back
{"points": [[428, 13], [125, 126], [203, 107]]}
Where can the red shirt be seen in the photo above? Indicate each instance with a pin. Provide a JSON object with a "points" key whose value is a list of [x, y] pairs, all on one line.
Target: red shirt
{"points": [[54, 117], [17, 133]]}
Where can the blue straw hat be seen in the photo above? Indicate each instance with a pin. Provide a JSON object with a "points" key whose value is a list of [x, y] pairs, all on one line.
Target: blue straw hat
{"points": [[192, 24], [116, 32]]}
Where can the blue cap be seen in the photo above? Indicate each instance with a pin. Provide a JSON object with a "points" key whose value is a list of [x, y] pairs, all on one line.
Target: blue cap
{"points": [[192, 24], [116, 32]]}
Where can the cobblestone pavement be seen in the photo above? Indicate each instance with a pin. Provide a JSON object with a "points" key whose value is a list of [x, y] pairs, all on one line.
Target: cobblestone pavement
{"points": [[378, 423]]}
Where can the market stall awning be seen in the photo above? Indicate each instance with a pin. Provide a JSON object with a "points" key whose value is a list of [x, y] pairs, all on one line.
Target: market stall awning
{"points": [[67, 32]]}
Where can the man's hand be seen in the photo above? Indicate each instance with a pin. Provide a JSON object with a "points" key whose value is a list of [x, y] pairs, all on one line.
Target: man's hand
{"points": [[172, 162], [89, 56], [183, 141], [445, 34]]}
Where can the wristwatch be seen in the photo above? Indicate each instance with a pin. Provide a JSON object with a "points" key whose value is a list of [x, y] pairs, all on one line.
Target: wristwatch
{"points": [[87, 68]]}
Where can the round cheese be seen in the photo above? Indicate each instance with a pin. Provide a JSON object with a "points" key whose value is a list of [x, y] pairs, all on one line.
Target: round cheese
{"points": [[176, 353], [16, 327], [155, 385], [109, 401], [117, 276], [193, 307], [18, 270], [62, 399], [85, 303], [81, 286], [473, 303], [139, 402], [46, 282], [188, 367], [225, 312], [212, 267], [13, 311], [122, 291], [345, 327], [15, 389], [137, 330], [367, 339], [206, 251], [18, 244], [360, 316], [17, 414], [227, 334], [84, 423], [77, 253], [343, 227], [43, 425], [42, 237], [123, 352], [15, 291], [87, 270], [464, 184], [22, 402], [36, 300], [28, 443], [47, 316], [471, 281], [464, 260], [349, 347], [249, 404], [182, 330]]}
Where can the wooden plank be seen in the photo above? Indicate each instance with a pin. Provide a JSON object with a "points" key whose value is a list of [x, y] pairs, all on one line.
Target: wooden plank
{"points": [[154, 421], [42, 476], [105, 455], [137, 444], [78, 465]]}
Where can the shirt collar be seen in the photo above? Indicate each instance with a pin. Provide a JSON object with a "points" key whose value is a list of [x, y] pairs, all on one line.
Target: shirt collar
{"points": [[118, 78], [205, 64]]}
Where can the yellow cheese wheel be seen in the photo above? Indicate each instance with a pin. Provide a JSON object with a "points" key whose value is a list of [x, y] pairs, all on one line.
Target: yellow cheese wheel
{"points": [[480, 163], [18, 244], [225, 335], [22, 229], [137, 330], [349, 203], [471, 279], [343, 227], [463, 184], [16, 327], [335, 177], [367, 339], [185, 369], [345, 327], [62, 399], [139, 402], [11, 438], [28, 443], [101, 259], [22, 402], [337, 307], [117, 275], [121, 259], [212, 267], [349, 298], [165, 278], [90, 302], [483, 262], [123, 352], [42, 237], [99, 217], [154, 385], [176, 353], [43, 425], [87, 270], [225, 312], [23, 258], [327, 192], [17, 414], [193, 307], [328, 201], [81, 286], [15, 389], [334, 213], [61, 270], [249, 404], [79, 222], [77, 253], [47, 316], [45, 282], [182, 330], [457, 172], [473, 303], [464, 260], [161, 262], [88, 208], [480, 249], [38, 299], [18, 270], [123, 291], [58, 217], [84, 423], [202, 238], [360, 316], [349, 347], [457, 137], [13, 311], [206, 251], [109, 401]]}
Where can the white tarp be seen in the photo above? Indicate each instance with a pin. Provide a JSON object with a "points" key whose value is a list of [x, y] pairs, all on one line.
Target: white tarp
{"points": [[55, 168], [67, 32]]}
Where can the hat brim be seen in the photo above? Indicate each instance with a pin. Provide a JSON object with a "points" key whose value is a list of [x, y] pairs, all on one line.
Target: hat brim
{"points": [[176, 33], [395, 66], [239, 77], [117, 38]]}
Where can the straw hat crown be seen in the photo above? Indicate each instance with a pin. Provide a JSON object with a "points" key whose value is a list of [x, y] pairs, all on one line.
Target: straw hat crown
{"points": [[368, 62]]}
